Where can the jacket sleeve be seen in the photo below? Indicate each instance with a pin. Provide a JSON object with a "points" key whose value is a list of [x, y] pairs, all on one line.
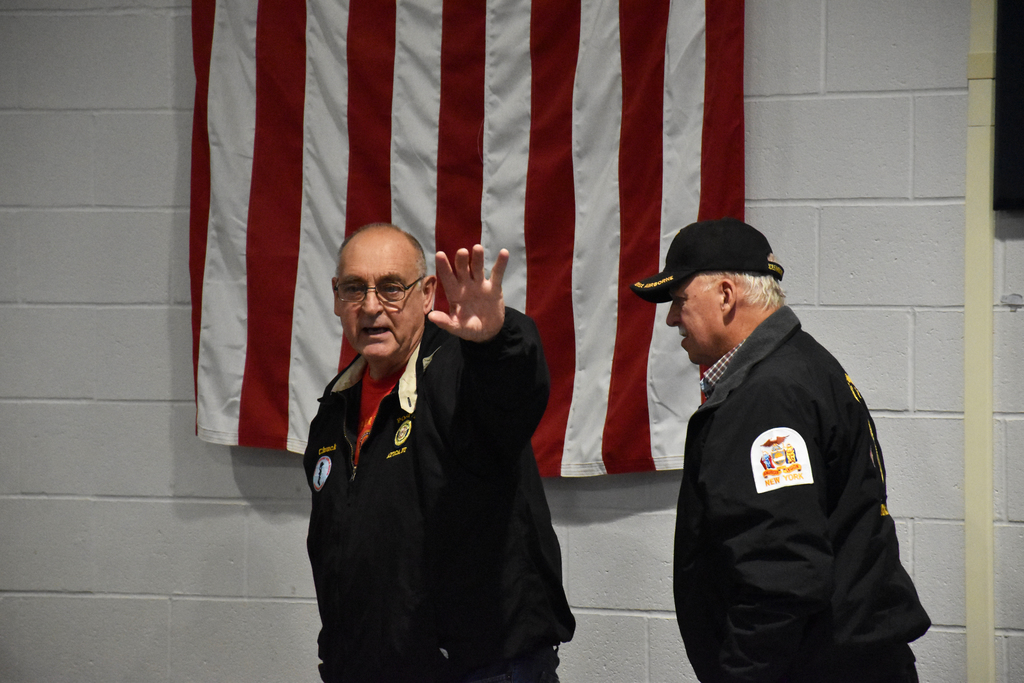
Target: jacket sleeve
{"points": [[775, 545], [504, 386]]}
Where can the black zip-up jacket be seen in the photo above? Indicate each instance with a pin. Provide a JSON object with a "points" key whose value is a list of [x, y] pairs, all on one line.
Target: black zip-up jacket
{"points": [[436, 556], [802, 581]]}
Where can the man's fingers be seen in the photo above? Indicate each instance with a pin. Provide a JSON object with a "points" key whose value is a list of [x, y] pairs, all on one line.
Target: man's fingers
{"points": [[498, 271], [462, 264], [442, 266], [469, 267], [477, 266]]}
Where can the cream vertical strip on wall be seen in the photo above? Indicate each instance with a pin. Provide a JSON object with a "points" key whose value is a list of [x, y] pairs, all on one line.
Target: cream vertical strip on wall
{"points": [[978, 333]]}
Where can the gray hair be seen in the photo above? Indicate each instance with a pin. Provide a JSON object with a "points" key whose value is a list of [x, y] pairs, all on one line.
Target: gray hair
{"points": [[421, 259], [761, 291]]}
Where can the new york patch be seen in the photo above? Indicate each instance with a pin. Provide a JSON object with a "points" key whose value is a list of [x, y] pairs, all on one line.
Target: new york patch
{"points": [[779, 458]]}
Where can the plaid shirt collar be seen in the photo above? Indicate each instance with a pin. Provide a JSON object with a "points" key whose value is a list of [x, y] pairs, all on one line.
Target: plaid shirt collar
{"points": [[715, 372]]}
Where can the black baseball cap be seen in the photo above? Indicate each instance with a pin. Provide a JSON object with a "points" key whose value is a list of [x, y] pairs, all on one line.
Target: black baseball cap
{"points": [[725, 244]]}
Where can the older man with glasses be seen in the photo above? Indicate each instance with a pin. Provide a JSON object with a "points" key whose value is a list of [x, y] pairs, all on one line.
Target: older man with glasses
{"points": [[430, 539]]}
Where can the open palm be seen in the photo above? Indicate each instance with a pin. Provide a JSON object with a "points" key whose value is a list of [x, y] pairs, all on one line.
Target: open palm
{"points": [[476, 307]]}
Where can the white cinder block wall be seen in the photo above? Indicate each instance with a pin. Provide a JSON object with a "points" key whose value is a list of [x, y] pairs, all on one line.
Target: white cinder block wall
{"points": [[131, 551]]}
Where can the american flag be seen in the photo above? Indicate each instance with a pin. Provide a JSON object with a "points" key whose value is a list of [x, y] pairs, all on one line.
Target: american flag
{"points": [[580, 136]]}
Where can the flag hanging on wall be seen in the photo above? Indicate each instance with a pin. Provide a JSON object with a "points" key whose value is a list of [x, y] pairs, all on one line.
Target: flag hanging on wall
{"points": [[580, 136]]}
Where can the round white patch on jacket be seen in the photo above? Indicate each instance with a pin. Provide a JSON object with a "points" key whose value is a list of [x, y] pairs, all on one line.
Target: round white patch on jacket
{"points": [[779, 458], [323, 468]]}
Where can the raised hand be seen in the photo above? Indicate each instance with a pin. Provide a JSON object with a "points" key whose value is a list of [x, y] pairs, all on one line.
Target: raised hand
{"points": [[476, 307]]}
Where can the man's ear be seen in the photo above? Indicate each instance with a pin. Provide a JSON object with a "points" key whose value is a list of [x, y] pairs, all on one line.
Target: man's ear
{"points": [[729, 292], [429, 285]]}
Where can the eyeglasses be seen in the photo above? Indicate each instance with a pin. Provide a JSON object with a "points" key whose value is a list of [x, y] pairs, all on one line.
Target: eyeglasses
{"points": [[387, 292]]}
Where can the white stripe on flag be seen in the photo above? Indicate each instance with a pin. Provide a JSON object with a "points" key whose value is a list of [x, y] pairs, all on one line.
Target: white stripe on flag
{"points": [[414, 121], [506, 145], [597, 120], [231, 127], [672, 380], [316, 331]]}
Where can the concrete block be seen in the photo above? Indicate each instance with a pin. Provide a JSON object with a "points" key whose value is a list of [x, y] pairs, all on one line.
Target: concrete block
{"points": [[205, 470], [904, 534], [939, 570], [87, 61], [94, 257], [892, 256], [871, 345], [1000, 482], [828, 148], [636, 546], [93, 448], [217, 640], [265, 473], [125, 449], [12, 455], [54, 351], [941, 656], [8, 55], [940, 145], [939, 361], [180, 284], [782, 47], [878, 45], [146, 354], [667, 654], [572, 499], [1013, 458], [84, 639], [606, 647], [162, 548], [793, 233], [46, 545], [1009, 588], [47, 159], [1008, 362], [143, 158], [10, 272], [1010, 238], [924, 466], [1014, 666], [276, 561]]}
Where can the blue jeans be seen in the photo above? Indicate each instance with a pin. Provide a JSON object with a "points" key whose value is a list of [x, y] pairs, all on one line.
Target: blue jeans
{"points": [[538, 666]]}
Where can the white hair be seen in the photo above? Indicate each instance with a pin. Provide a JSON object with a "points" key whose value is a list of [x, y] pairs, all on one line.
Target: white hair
{"points": [[761, 291]]}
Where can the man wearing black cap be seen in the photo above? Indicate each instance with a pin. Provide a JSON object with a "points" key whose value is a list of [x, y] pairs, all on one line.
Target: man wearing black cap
{"points": [[786, 561]]}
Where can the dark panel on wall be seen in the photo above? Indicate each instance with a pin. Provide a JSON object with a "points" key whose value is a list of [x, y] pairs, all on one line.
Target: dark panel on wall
{"points": [[1009, 115]]}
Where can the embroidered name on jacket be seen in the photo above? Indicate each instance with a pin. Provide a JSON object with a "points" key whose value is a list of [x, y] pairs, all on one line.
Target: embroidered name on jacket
{"points": [[779, 458]]}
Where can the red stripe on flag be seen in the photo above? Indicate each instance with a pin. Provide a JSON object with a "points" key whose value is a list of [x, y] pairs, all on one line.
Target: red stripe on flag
{"points": [[203, 14], [370, 58], [371, 67], [722, 184], [272, 237], [722, 157], [643, 27], [460, 167], [550, 213]]}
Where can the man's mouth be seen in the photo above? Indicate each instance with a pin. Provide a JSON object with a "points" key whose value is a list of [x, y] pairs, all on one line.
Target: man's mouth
{"points": [[373, 331]]}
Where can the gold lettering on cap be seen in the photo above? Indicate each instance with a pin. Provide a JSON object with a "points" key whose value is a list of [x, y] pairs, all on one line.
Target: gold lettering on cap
{"points": [[648, 285]]}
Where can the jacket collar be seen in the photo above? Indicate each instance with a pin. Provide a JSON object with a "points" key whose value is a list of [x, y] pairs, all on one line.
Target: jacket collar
{"points": [[407, 387], [766, 337]]}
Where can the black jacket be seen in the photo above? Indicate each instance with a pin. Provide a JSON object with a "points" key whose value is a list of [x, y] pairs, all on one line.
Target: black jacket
{"points": [[437, 555], [800, 582]]}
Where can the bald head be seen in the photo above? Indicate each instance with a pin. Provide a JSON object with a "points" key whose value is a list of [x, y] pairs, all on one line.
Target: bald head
{"points": [[421, 259]]}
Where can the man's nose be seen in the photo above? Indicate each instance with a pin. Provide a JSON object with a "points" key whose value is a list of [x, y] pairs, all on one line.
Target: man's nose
{"points": [[372, 303], [672, 319]]}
